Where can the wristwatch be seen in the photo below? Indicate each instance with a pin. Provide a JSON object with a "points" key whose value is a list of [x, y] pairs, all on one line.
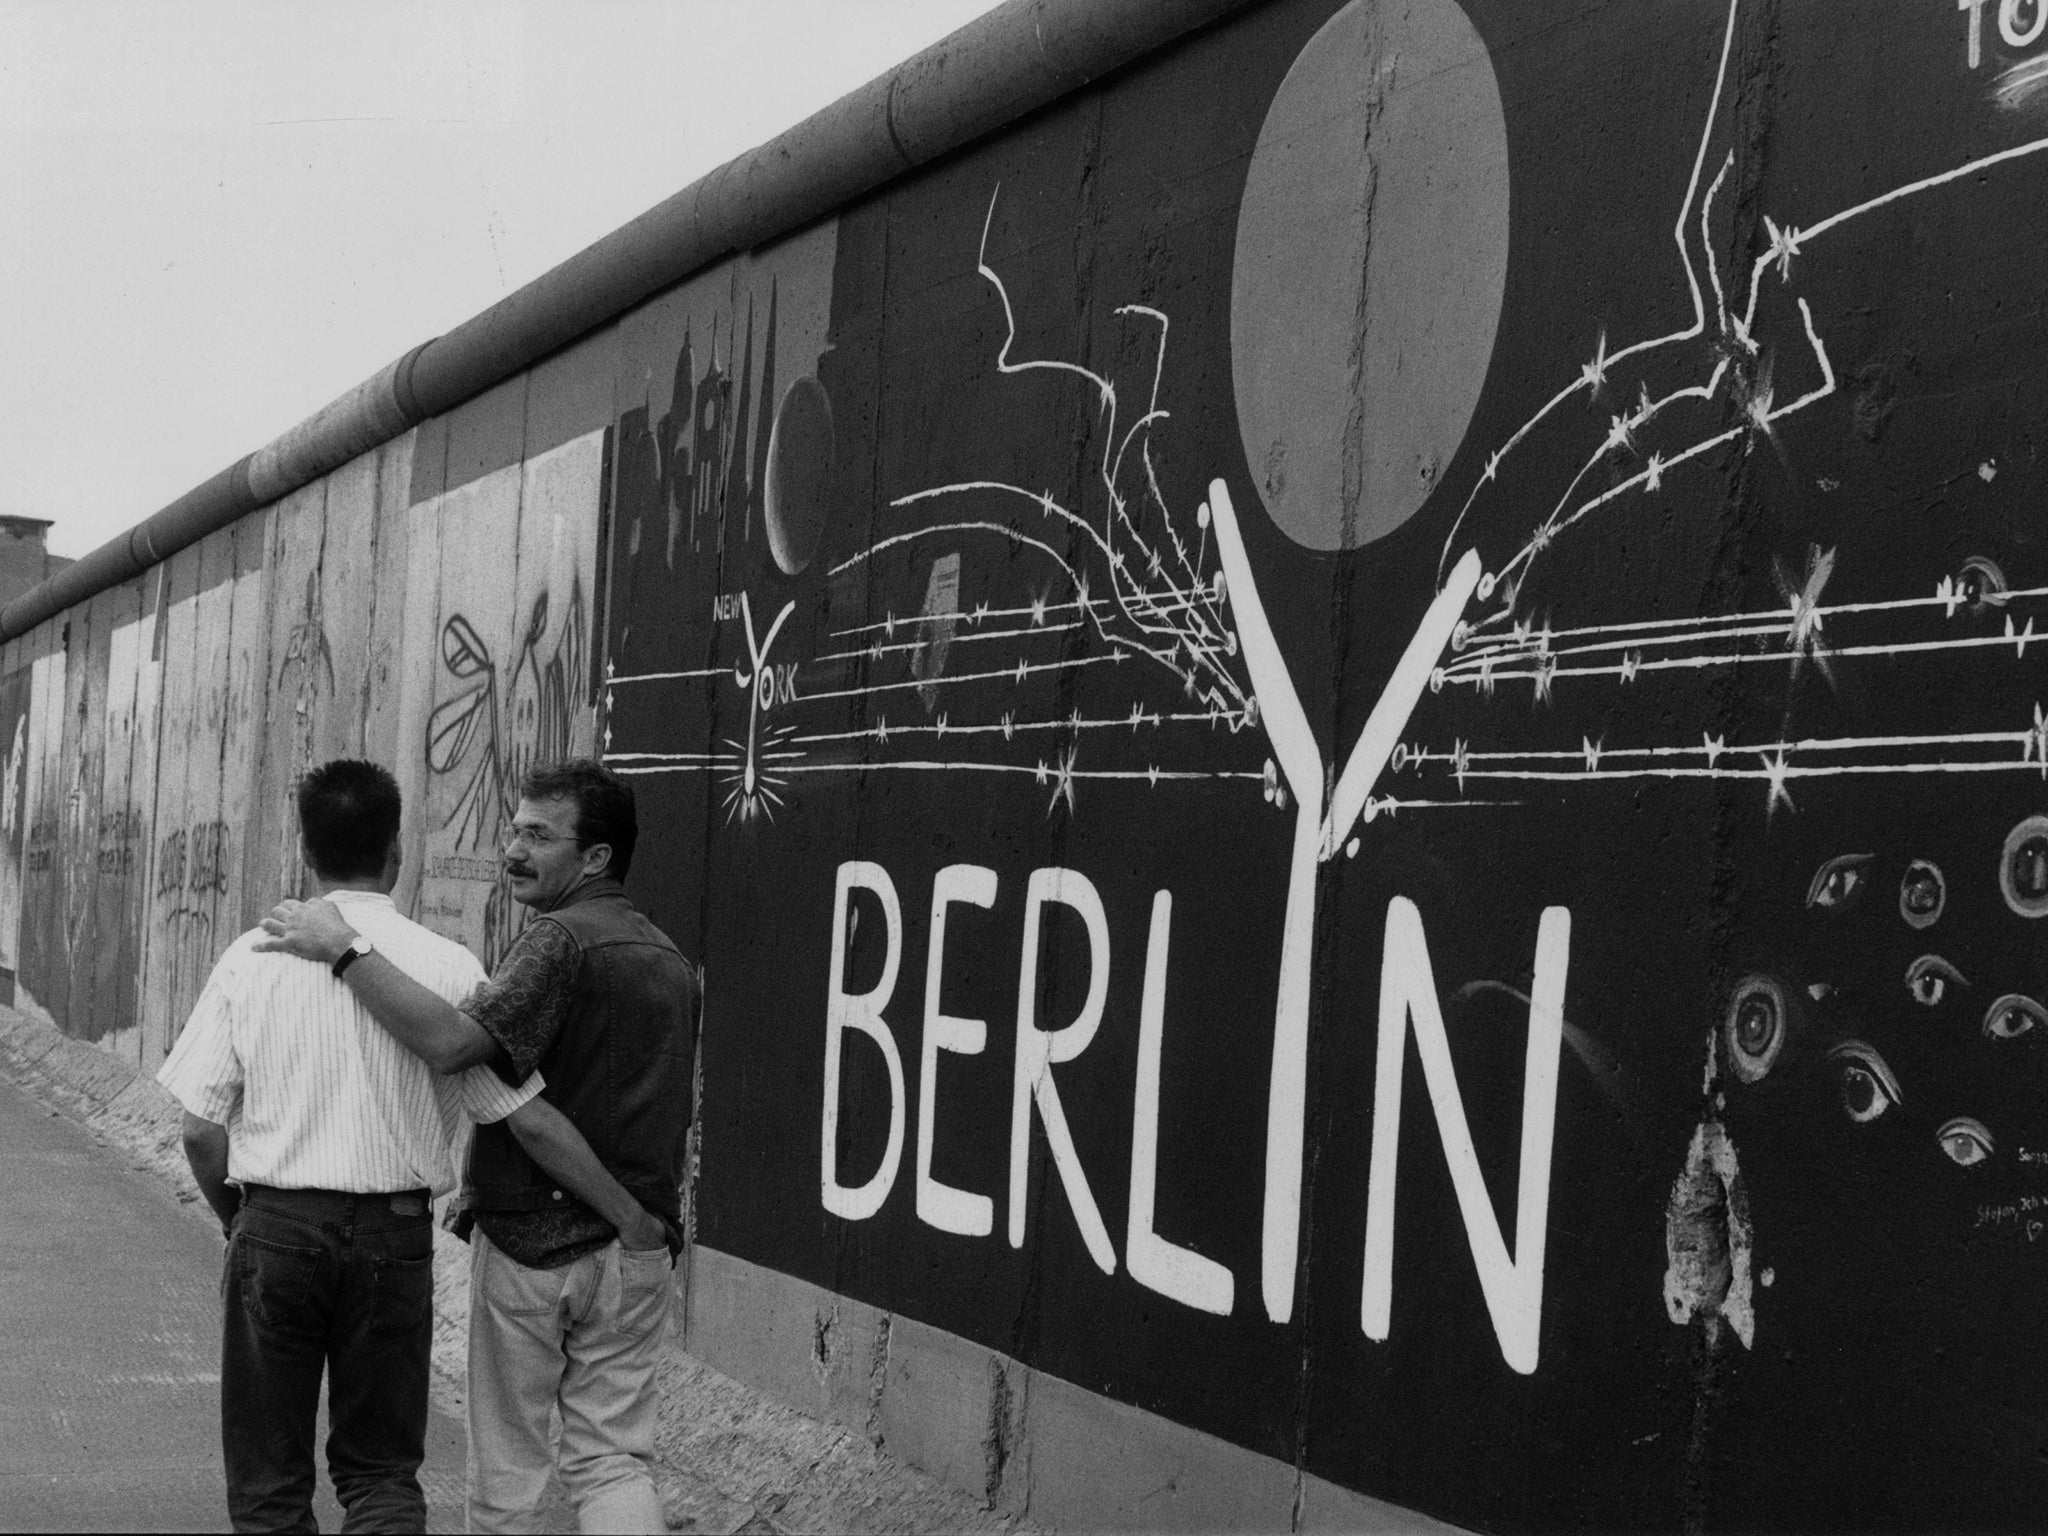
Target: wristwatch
{"points": [[358, 947]]}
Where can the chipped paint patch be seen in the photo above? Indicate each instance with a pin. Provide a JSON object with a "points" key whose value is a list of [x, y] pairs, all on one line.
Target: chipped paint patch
{"points": [[1708, 1240], [995, 1445], [878, 1379], [822, 1324]]}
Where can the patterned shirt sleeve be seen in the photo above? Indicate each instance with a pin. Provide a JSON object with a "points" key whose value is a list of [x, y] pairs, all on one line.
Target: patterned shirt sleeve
{"points": [[524, 1003], [203, 1072]]}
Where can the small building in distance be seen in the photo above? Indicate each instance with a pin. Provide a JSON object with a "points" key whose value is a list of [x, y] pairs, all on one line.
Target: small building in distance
{"points": [[25, 558]]}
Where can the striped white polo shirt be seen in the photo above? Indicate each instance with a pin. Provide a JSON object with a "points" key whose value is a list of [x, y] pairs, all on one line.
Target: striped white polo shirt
{"points": [[314, 1093]]}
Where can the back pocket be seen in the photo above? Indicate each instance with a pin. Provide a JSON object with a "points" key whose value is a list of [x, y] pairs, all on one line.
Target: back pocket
{"points": [[275, 1279], [645, 1277], [402, 1295]]}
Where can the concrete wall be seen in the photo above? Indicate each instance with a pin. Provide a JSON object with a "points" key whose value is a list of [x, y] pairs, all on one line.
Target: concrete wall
{"points": [[1508, 527]]}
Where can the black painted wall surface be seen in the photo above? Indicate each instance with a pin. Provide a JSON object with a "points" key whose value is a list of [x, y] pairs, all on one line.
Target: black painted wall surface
{"points": [[1712, 330]]}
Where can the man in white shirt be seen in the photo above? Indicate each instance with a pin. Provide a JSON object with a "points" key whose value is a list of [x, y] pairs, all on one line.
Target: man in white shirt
{"points": [[321, 1143]]}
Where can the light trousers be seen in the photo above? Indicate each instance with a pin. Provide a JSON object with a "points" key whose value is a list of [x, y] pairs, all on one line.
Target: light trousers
{"points": [[584, 1338]]}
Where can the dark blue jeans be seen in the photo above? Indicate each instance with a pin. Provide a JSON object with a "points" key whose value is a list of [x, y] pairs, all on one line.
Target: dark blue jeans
{"points": [[342, 1283]]}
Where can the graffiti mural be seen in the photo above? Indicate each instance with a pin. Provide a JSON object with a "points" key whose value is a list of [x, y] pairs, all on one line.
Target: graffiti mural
{"points": [[1245, 585], [500, 727], [213, 680], [1148, 612], [15, 695], [1353, 728], [42, 982], [510, 678], [122, 805], [303, 685]]}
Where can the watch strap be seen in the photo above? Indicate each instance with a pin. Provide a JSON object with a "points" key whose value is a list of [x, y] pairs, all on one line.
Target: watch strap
{"points": [[349, 956]]}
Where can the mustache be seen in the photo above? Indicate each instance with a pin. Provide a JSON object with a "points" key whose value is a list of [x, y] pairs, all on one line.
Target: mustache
{"points": [[519, 869]]}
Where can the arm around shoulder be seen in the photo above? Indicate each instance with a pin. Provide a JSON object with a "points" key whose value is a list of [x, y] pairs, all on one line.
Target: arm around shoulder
{"points": [[421, 1020], [428, 1025]]}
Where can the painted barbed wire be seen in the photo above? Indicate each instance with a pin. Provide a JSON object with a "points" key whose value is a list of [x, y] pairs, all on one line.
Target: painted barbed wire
{"points": [[1739, 371], [1174, 620], [1510, 644], [1154, 599]]}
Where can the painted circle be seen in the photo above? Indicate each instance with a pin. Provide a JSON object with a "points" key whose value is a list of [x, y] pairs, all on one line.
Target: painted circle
{"points": [[2023, 867], [1754, 1030], [801, 447], [1372, 252], [1922, 894]]}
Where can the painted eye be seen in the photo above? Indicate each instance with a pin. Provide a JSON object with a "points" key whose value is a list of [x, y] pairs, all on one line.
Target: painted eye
{"points": [[1965, 1141], [1922, 894], [2012, 1016], [1867, 1086], [1929, 979], [1838, 884], [1982, 583], [1758, 1020], [2023, 868]]}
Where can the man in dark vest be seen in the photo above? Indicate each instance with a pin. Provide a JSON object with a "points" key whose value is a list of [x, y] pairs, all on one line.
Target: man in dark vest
{"points": [[569, 1277]]}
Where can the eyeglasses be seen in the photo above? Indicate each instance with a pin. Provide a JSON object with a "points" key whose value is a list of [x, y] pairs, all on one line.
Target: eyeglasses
{"points": [[533, 837]]}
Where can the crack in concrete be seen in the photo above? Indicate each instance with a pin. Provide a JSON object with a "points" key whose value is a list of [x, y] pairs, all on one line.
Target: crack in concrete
{"points": [[995, 1445], [878, 1380], [1354, 446]]}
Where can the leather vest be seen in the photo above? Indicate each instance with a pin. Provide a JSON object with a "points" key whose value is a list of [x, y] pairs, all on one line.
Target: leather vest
{"points": [[620, 1067]]}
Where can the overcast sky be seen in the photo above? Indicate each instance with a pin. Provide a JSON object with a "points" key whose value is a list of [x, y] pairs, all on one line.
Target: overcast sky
{"points": [[216, 215]]}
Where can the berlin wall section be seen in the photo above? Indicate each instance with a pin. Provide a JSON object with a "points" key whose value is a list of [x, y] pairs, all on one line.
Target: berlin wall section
{"points": [[1351, 727], [1105, 757]]}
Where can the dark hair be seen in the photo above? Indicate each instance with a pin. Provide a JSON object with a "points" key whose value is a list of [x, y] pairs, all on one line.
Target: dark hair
{"points": [[348, 812], [605, 811]]}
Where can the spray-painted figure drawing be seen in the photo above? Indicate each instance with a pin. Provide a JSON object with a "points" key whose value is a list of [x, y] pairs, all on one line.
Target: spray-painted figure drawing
{"points": [[500, 726]]}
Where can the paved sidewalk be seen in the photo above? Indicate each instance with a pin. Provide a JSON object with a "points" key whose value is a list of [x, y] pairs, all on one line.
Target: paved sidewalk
{"points": [[110, 1375]]}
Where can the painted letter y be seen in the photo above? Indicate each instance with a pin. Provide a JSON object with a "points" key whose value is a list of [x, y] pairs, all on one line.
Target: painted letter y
{"points": [[1317, 836]]}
